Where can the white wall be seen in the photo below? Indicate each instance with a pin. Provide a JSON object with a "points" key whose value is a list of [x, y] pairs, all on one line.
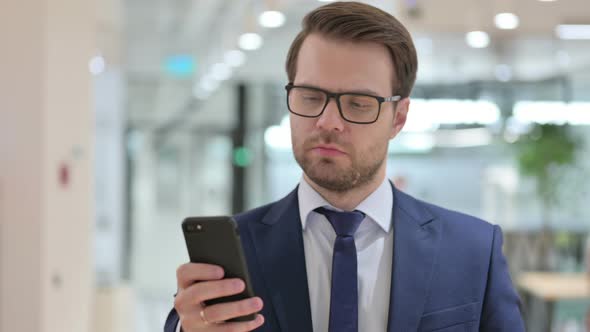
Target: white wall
{"points": [[45, 124]]}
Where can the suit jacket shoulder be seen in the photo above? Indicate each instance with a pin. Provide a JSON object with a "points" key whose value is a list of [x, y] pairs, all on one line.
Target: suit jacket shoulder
{"points": [[474, 233]]}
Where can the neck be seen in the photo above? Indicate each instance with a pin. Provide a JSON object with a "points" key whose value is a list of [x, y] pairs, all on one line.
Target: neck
{"points": [[350, 199]]}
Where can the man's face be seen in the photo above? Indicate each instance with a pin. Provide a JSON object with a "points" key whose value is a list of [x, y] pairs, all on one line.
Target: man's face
{"points": [[333, 153]]}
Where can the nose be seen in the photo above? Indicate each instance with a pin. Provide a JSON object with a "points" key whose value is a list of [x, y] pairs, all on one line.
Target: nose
{"points": [[331, 118]]}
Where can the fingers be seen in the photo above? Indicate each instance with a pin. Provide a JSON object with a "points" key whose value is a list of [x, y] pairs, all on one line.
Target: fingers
{"points": [[208, 290], [223, 327], [241, 326], [189, 273], [226, 311], [198, 283]]}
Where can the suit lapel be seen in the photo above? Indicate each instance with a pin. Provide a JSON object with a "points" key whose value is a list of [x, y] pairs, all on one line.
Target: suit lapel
{"points": [[416, 238], [279, 247]]}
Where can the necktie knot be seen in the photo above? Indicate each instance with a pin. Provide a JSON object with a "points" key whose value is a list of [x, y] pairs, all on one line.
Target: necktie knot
{"points": [[344, 223]]}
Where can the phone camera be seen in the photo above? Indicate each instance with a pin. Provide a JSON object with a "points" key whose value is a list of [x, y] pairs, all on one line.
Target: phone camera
{"points": [[194, 228]]}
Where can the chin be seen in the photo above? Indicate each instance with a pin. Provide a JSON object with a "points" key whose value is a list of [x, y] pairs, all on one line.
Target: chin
{"points": [[327, 166], [330, 176], [334, 184]]}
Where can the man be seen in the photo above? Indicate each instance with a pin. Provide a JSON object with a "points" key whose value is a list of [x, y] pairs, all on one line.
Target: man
{"points": [[347, 251]]}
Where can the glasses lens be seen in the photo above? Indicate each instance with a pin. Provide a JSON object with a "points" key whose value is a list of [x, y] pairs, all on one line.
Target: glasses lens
{"points": [[306, 102], [359, 108]]}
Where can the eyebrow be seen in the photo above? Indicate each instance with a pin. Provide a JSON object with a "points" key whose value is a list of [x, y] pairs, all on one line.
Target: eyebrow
{"points": [[360, 91]]}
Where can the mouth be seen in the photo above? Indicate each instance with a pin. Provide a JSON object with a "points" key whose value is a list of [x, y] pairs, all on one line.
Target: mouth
{"points": [[327, 150]]}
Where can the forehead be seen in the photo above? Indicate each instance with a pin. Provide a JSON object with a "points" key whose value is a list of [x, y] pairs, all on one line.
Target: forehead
{"points": [[340, 65]]}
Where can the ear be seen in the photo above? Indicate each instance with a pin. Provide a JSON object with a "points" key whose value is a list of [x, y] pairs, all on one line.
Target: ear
{"points": [[400, 115]]}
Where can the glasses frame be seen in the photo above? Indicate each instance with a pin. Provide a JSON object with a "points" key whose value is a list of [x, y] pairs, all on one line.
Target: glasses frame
{"points": [[336, 96]]}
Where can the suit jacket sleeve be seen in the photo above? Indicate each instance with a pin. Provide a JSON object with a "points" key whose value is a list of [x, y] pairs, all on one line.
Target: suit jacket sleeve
{"points": [[501, 307], [172, 321]]}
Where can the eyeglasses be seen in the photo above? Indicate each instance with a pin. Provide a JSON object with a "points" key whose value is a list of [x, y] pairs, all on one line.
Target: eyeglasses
{"points": [[353, 107]]}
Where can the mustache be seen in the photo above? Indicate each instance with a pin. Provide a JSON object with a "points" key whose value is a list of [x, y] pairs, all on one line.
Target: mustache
{"points": [[324, 138]]}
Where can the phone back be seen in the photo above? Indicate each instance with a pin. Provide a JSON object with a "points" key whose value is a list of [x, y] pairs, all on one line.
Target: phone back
{"points": [[216, 240]]}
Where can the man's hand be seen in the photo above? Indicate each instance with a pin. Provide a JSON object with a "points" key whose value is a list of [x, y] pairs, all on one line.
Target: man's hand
{"points": [[201, 282]]}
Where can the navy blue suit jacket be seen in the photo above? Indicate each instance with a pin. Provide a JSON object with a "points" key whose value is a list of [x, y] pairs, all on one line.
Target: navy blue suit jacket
{"points": [[448, 272]]}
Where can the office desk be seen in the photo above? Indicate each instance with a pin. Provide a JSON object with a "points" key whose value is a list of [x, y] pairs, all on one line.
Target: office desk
{"points": [[550, 287]]}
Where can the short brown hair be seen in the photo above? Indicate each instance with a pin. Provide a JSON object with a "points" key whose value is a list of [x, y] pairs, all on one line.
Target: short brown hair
{"points": [[354, 21]]}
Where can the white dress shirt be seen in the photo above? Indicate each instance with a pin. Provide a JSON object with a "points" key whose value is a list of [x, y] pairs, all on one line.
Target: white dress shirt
{"points": [[374, 246]]}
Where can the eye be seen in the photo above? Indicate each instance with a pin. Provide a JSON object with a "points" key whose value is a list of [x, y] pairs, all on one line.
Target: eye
{"points": [[358, 105], [311, 97]]}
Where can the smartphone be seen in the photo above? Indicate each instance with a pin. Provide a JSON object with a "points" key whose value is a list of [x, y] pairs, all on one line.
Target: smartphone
{"points": [[216, 240]]}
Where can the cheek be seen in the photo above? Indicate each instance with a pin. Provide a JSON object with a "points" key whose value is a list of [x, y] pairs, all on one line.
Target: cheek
{"points": [[301, 128], [298, 133], [374, 138]]}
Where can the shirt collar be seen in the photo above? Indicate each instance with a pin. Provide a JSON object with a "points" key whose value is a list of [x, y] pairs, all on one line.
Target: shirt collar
{"points": [[377, 206]]}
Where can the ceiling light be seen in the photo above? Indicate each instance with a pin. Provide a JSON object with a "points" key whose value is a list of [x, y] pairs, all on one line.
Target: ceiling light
{"points": [[234, 58], [97, 65], [271, 19], [506, 21], [220, 71], [209, 84], [250, 41], [477, 39], [573, 31]]}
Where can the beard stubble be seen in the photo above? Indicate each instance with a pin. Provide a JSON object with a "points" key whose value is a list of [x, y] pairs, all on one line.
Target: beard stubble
{"points": [[331, 174]]}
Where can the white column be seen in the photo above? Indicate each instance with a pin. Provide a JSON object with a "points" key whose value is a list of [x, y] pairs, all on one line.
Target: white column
{"points": [[46, 157]]}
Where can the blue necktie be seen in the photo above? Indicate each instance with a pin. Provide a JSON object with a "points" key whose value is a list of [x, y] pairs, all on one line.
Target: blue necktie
{"points": [[344, 293]]}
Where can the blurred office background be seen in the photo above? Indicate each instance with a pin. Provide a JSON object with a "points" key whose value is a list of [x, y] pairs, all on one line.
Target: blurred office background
{"points": [[119, 118]]}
